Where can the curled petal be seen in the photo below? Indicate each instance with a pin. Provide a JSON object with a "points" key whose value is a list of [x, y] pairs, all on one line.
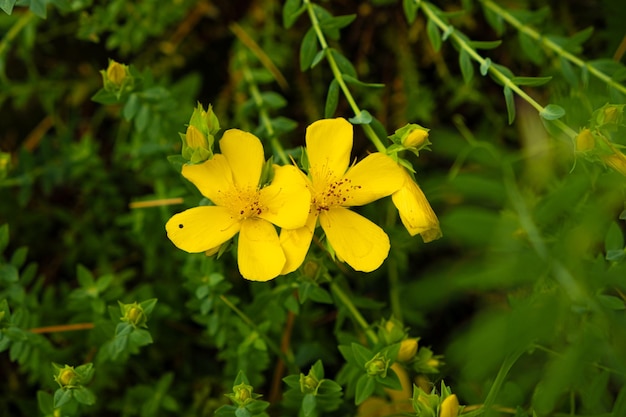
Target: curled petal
{"points": [[415, 211], [375, 177], [244, 153], [328, 144], [213, 178], [287, 199], [260, 256], [296, 242], [201, 228], [356, 240]]}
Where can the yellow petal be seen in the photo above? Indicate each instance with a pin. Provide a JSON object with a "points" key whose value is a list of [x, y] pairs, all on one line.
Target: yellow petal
{"points": [[449, 406], [213, 178], [375, 177], [260, 256], [287, 199], [356, 240], [328, 145], [415, 211], [244, 153], [201, 228], [296, 242]]}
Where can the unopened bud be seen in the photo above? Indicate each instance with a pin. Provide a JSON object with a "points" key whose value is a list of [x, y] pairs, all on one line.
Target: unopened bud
{"points": [[133, 314], [585, 141], [613, 114], [416, 139], [377, 366], [308, 383], [449, 406], [617, 161], [116, 73], [408, 349], [242, 394], [66, 376]]}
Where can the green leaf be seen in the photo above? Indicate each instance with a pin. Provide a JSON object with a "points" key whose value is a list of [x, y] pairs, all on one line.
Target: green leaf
{"points": [[308, 405], [131, 107], [7, 5], [510, 103], [8, 274], [104, 97], [344, 64], [337, 22], [62, 397], [485, 44], [308, 49], [352, 80], [84, 276], [332, 99], [434, 35], [361, 354], [484, 66], [362, 118], [19, 257], [84, 396], [494, 20], [38, 7], [531, 81], [410, 10], [568, 72], [611, 302], [143, 118], [291, 11], [44, 400], [365, 387], [530, 48], [552, 112], [467, 67]]}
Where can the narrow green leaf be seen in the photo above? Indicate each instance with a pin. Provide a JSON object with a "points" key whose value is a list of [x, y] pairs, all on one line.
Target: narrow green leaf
{"points": [[611, 302], [318, 58], [467, 68], [337, 22], [8, 274], [361, 354], [38, 7], [308, 405], [494, 20], [332, 99], [365, 387], [531, 81], [569, 73], [291, 11], [485, 44], [484, 66], [308, 49], [530, 48], [510, 103], [434, 35], [84, 396], [344, 64], [61, 397], [614, 238], [7, 5], [131, 107], [552, 112], [351, 80], [410, 10], [364, 118]]}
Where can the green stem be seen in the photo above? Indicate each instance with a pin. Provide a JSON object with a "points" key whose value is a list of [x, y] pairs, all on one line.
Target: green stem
{"points": [[506, 366], [499, 75], [288, 359], [354, 312], [551, 45], [369, 132], [263, 114], [10, 36]]}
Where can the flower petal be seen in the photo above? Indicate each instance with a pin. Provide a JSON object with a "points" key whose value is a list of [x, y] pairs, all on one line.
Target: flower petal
{"points": [[328, 145], [244, 153], [287, 199], [213, 178], [260, 256], [296, 242], [375, 177], [415, 211], [356, 240], [201, 228]]}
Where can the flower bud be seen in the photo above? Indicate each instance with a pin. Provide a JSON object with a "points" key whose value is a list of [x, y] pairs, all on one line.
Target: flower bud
{"points": [[608, 116], [418, 138], [116, 73], [392, 331], [424, 404], [5, 162], [308, 383], [613, 114], [66, 377], [408, 350], [377, 366], [133, 314], [617, 161], [449, 407], [242, 394], [585, 141]]}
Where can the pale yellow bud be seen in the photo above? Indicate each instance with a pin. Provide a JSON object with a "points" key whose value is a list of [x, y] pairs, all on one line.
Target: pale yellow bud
{"points": [[408, 350], [449, 407], [195, 138], [617, 161], [416, 139], [585, 141], [116, 73]]}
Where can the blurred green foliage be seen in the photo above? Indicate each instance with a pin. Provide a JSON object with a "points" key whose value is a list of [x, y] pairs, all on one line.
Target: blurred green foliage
{"points": [[519, 307]]}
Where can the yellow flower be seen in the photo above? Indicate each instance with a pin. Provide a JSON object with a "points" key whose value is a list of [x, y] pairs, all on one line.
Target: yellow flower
{"points": [[231, 181], [415, 211], [335, 186], [449, 407]]}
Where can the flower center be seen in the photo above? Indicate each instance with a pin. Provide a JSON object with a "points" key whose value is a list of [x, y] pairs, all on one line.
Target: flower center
{"points": [[335, 193], [245, 203]]}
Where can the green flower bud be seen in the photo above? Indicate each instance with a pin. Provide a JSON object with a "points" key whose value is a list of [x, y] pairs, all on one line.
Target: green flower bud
{"points": [[133, 314], [392, 331], [424, 404], [377, 366], [613, 114], [66, 377], [411, 136], [308, 383], [242, 394], [608, 116], [585, 141]]}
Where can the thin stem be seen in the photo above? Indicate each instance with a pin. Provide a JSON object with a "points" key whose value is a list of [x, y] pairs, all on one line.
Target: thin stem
{"points": [[63, 328], [12, 34], [506, 366], [263, 114], [369, 132], [288, 359], [354, 312], [551, 45], [499, 75]]}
